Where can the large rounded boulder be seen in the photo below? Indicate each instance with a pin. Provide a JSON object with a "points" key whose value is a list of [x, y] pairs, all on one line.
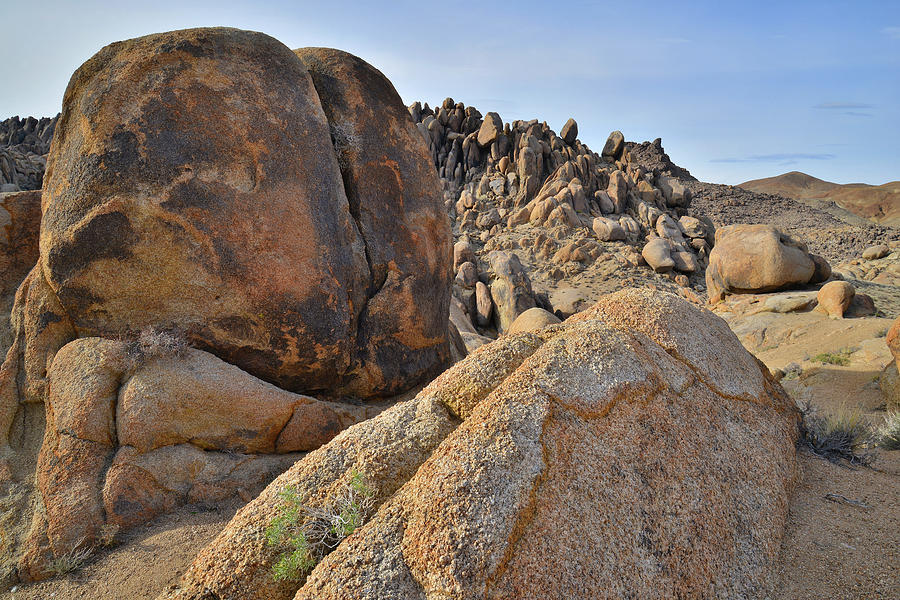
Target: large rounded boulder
{"points": [[197, 182], [756, 258], [636, 449]]}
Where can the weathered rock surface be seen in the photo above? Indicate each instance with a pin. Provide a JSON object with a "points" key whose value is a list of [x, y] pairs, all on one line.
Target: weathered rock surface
{"points": [[134, 431], [756, 258], [184, 180], [622, 417], [394, 198], [20, 215]]}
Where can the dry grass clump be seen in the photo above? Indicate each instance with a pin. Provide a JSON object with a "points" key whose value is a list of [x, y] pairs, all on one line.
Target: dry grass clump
{"points": [[153, 342], [889, 433], [71, 561], [843, 435]]}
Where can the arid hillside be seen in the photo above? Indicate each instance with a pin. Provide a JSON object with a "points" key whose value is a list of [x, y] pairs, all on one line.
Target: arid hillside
{"points": [[878, 203]]}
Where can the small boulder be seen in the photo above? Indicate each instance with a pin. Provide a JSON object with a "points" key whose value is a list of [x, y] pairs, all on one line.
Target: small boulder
{"points": [[612, 149], [463, 251], [569, 132], [756, 258], [686, 262], [490, 130], [484, 306], [608, 229], [467, 275], [532, 320], [604, 202], [835, 298], [875, 252], [658, 254], [823, 270], [618, 190], [511, 289], [862, 305]]}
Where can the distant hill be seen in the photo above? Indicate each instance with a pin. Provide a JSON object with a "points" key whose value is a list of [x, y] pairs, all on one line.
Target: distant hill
{"points": [[880, 203]]}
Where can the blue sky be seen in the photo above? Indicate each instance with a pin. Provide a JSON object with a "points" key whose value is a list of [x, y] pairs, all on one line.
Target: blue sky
{"points": [[736, 90]]}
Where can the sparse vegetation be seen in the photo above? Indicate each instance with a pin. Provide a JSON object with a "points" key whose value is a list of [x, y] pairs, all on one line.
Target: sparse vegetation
{"points": [[840, 358], [882, 332], [889, 432], [304, 535], [843, 435], [152, 343], [71, 561]]}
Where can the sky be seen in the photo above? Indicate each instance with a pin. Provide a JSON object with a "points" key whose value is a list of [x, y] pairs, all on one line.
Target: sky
{"points": [[737, 90]]}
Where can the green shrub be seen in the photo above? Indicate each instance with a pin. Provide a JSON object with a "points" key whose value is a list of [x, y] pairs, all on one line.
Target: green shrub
{"points": [[304, 535], [840, 358], [889, 432]]}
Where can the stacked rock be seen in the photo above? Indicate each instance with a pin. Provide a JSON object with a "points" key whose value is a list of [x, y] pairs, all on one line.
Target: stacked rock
{"points": [[498, 177]]}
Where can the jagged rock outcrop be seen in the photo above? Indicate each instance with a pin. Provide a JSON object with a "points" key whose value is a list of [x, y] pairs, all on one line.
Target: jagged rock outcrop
{"points": [[608, 455], [29, 134], [288, 230], [521, 176], [23, 144]]}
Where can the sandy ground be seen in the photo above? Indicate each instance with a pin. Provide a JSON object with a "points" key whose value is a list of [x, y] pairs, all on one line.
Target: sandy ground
{"points": [[838, 550], [147, 560]]}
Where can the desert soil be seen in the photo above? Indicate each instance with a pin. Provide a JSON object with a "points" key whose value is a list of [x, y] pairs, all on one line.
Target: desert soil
{"points": [[146, 560]]}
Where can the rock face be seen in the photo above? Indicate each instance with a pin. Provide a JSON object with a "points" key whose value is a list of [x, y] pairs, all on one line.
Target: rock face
{"points": [[273, 212], [20, 215], [281, 260], [394, 197], [756, 258], [608, 455]]}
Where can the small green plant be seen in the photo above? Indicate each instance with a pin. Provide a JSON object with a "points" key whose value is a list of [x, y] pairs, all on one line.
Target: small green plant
{"points": [[882, 332], [889, 432], [844, 435], [840, 358], [72, 560], [304, 534]]}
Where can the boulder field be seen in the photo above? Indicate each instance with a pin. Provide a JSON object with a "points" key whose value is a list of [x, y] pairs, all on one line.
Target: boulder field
{"points": [[606, 456], [242, 250]]}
